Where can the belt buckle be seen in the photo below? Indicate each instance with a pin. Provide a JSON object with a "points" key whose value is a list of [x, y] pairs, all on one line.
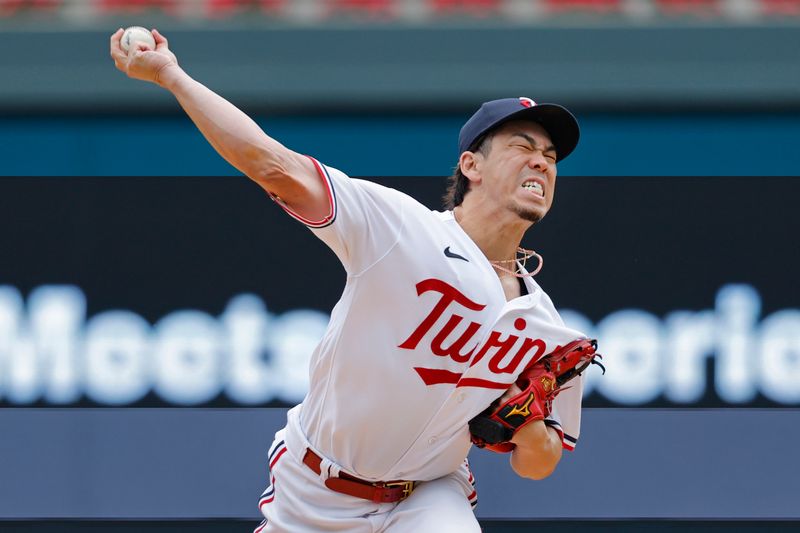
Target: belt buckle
{"points": [[407, 487]]}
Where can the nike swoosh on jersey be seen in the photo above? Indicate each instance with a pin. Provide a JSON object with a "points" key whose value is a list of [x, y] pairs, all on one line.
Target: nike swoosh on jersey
{"points": [[454, 255]]}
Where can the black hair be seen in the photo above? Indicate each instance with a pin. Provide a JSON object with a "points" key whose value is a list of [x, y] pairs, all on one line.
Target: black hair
{"points": [[457, 183]]}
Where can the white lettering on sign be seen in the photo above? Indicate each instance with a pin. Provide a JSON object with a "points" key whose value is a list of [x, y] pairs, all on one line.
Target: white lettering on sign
{"points": [[51, 352], [647, 357]]}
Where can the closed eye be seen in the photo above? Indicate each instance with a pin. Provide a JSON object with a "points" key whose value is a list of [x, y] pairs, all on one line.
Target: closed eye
{"points": [[548, 151], [550, 156]]}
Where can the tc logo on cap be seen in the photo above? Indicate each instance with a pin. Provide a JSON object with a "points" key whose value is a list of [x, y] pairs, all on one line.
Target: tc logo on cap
{"points": [[526, 102]]}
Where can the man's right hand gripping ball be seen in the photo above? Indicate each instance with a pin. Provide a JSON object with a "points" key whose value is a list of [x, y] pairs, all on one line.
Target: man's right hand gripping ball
{"points": [[142, 62], [531, 397]]}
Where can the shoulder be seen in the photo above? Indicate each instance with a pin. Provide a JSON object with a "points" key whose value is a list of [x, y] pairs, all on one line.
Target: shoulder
{"points": [[382, 197]]}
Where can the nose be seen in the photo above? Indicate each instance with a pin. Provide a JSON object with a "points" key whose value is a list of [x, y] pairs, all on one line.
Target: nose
{"points": [[538, 161]]}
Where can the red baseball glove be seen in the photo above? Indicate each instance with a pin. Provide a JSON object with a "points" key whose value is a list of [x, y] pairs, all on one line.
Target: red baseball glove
{"points": [[540, 383]]}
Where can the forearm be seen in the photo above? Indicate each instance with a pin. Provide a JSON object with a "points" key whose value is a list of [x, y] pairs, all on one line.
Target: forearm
{"points": [[234, 135], [538, 451]]}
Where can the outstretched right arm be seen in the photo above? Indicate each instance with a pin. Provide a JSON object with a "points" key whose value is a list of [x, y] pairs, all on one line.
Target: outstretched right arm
{"points": [[235, 136]]}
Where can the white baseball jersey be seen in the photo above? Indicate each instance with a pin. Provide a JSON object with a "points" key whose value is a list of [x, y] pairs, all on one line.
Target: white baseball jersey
{"points": [[421, 341]]}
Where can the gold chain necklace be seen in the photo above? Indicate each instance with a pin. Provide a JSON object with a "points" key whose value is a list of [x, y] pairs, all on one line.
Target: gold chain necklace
{"points": [[522, 257]]}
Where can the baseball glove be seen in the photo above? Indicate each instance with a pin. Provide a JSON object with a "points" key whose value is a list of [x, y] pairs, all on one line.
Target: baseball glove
{"points": [[540, 383]]}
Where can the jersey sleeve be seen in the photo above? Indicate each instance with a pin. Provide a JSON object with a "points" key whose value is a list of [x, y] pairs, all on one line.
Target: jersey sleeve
{"points": [[364, 222], [566, 414]]}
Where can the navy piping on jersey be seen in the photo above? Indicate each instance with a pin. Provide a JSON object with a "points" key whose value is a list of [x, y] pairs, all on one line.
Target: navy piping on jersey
{"points": [[275, 450]]}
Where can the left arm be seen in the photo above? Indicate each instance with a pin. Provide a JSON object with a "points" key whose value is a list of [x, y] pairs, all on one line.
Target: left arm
{"points": [[536, 446], [538, 450], [520, 413]]}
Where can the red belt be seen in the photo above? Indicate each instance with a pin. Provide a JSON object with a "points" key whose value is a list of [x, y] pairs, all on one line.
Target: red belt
{"points": [[378, 492]]}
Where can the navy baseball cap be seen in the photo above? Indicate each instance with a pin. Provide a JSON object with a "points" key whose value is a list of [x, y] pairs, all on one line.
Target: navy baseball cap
{"points": [[559, 123]]}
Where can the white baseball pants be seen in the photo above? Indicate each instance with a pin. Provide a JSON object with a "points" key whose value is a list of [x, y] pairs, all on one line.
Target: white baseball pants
{"points": [[297, 501]]}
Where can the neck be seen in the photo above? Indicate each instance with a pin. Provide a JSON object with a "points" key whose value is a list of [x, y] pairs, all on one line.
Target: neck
{"points": [[497, 236]]}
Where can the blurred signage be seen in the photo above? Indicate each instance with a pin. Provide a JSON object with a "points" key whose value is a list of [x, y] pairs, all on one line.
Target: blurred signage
{"points": [[51, 351], [200, 291]]}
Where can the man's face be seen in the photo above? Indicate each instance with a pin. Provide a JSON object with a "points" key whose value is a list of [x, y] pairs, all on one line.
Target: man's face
{"points": [[519, 172]]}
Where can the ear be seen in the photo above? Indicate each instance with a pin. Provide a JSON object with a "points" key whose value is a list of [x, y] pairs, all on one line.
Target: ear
{"points": [[470, 163]]}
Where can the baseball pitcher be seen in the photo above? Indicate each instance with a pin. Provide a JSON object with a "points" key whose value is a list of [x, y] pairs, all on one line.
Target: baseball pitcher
{"points": [[442, 338]]}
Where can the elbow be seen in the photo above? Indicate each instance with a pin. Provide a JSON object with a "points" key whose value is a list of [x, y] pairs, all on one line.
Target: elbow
{"points": [[267, 172], [535, 470], [270, 167], [539, 460], [541, 472]]}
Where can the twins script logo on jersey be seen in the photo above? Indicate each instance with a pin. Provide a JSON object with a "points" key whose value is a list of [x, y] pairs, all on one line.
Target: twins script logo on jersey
{"points": [[451, 299]]}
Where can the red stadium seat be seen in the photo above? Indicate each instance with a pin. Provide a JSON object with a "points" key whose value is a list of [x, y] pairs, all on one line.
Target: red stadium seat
{"points": [[11, 7], [780, 7], [216, 8], [272, 6], [45, 5]]}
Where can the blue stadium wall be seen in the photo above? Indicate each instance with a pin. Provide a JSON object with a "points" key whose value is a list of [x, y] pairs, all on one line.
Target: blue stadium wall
{"points": [[622, 144]]}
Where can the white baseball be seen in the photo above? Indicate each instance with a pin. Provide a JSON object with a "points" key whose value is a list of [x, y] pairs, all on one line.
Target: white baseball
{"points": [[136, 34]]}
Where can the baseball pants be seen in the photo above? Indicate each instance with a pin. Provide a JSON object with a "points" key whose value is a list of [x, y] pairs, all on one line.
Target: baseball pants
{"points": [[297, 501]]}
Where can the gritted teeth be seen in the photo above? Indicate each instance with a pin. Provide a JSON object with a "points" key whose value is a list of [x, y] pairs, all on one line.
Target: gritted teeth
{"points": [[533, 186]]}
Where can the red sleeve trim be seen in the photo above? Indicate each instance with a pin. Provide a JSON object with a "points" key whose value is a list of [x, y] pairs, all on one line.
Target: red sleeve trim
{"points": [[331, 216]]}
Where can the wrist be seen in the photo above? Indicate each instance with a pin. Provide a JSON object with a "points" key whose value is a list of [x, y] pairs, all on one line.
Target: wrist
{"points": [[532, 435], [168, 76], [538, 437]]}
